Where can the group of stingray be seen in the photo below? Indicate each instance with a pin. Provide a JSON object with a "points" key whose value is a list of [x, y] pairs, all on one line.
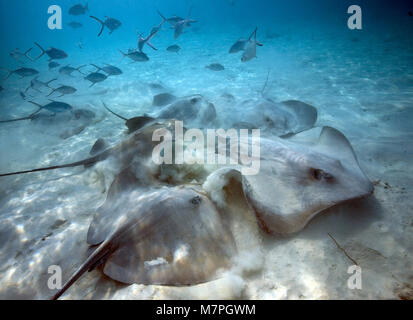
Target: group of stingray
{"points": [[167, 226]]}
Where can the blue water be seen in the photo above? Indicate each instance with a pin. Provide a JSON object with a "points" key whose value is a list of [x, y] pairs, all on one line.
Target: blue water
{"points": [[360, 82]]}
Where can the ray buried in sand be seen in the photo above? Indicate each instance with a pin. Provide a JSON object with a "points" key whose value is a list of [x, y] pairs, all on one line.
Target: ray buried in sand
{"points": [[192, 147]]}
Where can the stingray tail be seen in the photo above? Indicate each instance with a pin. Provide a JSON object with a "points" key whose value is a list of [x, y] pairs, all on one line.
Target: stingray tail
{"points": [[87, 162], [24, 118], [102, 24], [115, 114], [95, 259]]}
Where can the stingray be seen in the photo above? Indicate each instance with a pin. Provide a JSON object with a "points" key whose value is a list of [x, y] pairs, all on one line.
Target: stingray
{"points": [[297, 181], [162, 99], [193, 110], [170, 236], [280, 119], [134, 123], [139, 143]]}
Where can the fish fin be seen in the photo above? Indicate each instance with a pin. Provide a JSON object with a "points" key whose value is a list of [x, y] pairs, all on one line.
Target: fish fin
{"points": [[163, 18], [98, 68], [101, 22], [8, 74], [26, 54], [115, 114], [99, 146], [78, 69], [151, 45], [47, 83], [87, 7], [43, 52], [253, 34]]}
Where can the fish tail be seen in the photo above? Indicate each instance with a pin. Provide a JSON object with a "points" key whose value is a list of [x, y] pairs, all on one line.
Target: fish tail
{"points": [[48, 82], [163, 18], [98, 68], [9, 72], [43, 52], [26, 54], [123, 54], [101, 22], [51, 92], [151, 45], [100, 253], [78, 69]]}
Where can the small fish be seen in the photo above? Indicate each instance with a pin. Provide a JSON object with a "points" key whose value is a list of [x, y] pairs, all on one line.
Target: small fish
{"points": [[95, 77], [178, 23], [53, 64], [410, 13], [75, 25], [250, 51], [67, 70], [53, 53], [109, 69], [215, 67], [136, 55], [37, 84], [63, 90], [22, 72], [17, 55], [1, 88], [111, 23], [142, 41], [174, 48], [78, 9], [53, 106]]}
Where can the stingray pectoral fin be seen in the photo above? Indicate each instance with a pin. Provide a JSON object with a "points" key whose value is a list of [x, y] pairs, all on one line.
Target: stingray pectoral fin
{"points": [[180, 239], [106, 215], [304, 114]]}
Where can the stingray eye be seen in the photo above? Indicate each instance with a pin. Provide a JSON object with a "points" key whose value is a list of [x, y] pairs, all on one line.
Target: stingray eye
{"points": [[320, 175], [196, 200], [194, 100]]}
